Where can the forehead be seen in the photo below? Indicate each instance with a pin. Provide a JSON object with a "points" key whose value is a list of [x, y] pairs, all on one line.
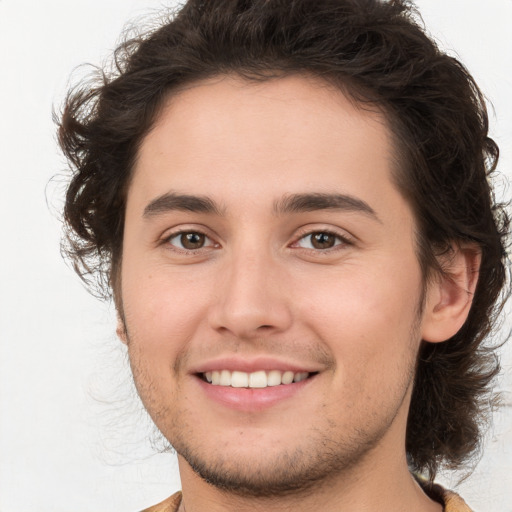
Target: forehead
{"points": [[231, 138]]}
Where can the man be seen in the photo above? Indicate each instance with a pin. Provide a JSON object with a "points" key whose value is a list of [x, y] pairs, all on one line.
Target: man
{"points": [[289, 201]]}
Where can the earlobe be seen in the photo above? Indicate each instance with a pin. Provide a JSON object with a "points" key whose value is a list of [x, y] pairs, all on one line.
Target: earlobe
{"points": [[121, 330], [450, 295]]}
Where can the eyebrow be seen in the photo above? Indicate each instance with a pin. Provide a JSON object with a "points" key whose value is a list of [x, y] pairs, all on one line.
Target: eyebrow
{"points": [[293, 203], [181, 202], [297, 203]]}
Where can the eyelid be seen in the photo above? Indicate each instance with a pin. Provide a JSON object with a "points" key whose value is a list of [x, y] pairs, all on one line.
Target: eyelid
{"points": [[180, 230], [343, 236]]}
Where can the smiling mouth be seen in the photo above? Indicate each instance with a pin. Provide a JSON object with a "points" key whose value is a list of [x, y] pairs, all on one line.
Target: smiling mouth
{"points": [[256, 380]]}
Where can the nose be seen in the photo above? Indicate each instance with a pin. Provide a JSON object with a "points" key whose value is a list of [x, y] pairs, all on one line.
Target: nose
{"points": [[251, 297]]}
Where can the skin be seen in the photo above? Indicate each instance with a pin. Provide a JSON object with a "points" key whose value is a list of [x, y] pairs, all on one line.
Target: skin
{"points": [[259, 290]]}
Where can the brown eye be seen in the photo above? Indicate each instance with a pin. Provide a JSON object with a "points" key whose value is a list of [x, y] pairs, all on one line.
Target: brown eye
{"points": [[190, 240], [323, 240]]}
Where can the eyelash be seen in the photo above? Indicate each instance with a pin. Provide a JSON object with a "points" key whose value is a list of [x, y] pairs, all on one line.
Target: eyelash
{"points": [[341, 241], [180, 233]]}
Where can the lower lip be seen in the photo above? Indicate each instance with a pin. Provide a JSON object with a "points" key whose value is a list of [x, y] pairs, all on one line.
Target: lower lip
{"points": [[252, 399]]}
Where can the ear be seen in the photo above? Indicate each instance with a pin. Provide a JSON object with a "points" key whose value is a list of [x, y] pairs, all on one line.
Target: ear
{"points": [[450, 295], [121, 329]]}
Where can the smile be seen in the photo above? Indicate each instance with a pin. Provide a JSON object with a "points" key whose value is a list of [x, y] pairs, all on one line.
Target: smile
{"points": [[258, 379]]}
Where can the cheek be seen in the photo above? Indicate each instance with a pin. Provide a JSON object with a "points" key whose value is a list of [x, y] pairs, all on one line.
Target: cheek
{"points": [[365, 316], [162, 308]]}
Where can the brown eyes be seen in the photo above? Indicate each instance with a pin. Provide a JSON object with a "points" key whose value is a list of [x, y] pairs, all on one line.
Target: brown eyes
{"points": [[192, 240], [318, 240], [323, 240]]}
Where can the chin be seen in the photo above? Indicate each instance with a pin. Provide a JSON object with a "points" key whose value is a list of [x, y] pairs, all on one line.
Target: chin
{"points": [[278, 471]]}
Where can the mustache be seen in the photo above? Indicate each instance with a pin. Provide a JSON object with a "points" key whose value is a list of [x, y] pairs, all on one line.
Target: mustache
{"points": [[301, 351]]}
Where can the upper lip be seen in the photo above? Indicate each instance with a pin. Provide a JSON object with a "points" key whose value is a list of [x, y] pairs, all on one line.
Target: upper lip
{"points": [[250, 365]]}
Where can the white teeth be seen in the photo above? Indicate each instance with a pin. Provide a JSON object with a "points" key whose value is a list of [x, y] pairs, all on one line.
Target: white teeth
{"points": [[274, 378], [225, 378], [287, 378], [258, 379], [239, 380], [300, 376]]}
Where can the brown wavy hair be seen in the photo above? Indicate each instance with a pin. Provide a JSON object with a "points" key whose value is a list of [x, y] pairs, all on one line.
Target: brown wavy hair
{"points": [[378, 54]]}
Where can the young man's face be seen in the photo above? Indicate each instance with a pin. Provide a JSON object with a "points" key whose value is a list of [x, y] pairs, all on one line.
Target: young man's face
{"points": [[265, 241]]}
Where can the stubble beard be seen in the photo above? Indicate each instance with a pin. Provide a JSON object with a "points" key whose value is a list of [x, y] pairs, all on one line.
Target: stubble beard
{"points": [[324, 456], [317, 463]]}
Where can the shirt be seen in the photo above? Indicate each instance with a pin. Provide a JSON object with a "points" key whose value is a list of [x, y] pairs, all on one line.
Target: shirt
{"points": [[451, 502]]}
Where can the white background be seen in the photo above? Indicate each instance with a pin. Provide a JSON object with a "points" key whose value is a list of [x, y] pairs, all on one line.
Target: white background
{"points": [[72, 437]]}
